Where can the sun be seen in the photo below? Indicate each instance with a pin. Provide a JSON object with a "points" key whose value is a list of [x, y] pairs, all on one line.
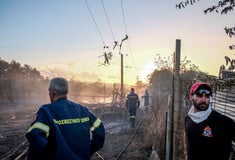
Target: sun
{"points": [[146, 70]]}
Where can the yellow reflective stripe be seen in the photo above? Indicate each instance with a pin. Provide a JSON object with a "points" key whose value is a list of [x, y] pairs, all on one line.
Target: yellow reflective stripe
{"points": [[71, 121], [85, 119], [96, 124], [40, 126]]}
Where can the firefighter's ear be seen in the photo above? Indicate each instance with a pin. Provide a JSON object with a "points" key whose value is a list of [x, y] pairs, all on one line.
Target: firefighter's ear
{"points": [[51, 93]]}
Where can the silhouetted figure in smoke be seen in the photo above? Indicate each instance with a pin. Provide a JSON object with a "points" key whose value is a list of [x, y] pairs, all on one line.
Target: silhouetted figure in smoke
{"points": [[132, 103], [146, 101]]}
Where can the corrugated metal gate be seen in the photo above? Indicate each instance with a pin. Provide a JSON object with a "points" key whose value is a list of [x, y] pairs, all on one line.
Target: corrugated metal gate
{"points": [[224, 102]]}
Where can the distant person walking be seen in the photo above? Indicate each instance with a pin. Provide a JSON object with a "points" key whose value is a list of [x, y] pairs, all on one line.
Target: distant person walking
{"points": [[146, 102], [208, 134], [132, 103], [61, 130]]}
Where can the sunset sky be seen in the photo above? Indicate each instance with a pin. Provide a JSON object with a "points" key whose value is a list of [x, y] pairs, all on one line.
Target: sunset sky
{"points": [[67, 37]]}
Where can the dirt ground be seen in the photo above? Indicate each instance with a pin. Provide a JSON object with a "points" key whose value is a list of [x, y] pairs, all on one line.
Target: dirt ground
{"points": [[14, 122], [119, 134]]}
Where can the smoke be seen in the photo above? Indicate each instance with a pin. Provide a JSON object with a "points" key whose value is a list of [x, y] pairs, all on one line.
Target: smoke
{"points": [[69, 74]]}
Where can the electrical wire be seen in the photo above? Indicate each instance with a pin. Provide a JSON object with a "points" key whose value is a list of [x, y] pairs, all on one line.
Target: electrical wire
{"points": [[124, 19], [96, 26], [111, 31], [107, 18], [128, 42]]}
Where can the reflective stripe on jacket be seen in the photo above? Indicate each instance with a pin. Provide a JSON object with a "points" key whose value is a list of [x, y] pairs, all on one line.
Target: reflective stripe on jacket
{"points": [[62, 131]]}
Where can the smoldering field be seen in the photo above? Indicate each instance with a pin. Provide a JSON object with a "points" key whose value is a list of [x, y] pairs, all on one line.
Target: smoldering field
{"points": [[21, 98]]}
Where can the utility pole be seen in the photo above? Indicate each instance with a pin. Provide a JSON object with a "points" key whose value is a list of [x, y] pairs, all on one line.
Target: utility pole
{"points": [[122, 88]]}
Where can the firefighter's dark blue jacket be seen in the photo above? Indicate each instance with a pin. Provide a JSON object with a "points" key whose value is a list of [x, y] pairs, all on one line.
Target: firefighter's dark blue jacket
{"points": [[61, 131], [132, 100]]}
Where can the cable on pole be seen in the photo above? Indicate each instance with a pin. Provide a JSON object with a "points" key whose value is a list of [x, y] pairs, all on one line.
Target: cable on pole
{"points": [[96, 26], [123, 15], [107, 18], [125, 27]]}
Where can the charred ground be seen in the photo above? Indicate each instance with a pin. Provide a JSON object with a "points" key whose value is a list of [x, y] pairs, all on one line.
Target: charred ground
{"points": [[122, 142]]}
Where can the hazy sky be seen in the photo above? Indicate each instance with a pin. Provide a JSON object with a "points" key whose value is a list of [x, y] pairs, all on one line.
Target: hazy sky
{"points": [[67, 37]]}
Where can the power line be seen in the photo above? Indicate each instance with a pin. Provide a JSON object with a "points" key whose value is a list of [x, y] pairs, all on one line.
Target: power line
{"points": [[124, 19], [96, 26], [107, 18], [108, 55], [125, 27]]}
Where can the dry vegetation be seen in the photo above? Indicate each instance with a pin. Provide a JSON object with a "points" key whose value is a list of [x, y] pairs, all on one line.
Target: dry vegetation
{"points": [[155, 131], [155, 136]]}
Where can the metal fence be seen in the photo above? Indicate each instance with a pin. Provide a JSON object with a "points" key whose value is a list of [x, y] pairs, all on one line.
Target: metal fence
{"points": [[224, 102]]}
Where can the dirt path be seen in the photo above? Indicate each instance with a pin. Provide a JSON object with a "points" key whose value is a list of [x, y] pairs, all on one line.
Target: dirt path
{"points": [[15, 122], [124, 143]]}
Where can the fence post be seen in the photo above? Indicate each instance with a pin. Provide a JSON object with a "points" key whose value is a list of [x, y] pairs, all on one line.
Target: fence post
{"points": [[176, 105]]}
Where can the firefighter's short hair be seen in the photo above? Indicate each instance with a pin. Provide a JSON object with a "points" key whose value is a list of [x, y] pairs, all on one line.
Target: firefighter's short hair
{"points": [[59, 86]]}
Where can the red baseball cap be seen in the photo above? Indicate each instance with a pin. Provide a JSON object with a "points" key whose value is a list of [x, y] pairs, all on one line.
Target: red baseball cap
{"points": [[200, 85]]}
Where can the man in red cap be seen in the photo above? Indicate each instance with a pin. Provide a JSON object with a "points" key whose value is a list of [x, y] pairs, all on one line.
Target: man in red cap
{"points": [[208, 134], [132, 103]]}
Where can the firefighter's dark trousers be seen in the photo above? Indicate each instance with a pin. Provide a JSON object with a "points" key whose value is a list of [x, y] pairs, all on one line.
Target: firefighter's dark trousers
{"points": [[132, 115]]}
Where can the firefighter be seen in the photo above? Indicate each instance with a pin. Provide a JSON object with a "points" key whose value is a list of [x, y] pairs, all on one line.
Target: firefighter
{"points": [[64, 129], [146, 102], [132, 103]]}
